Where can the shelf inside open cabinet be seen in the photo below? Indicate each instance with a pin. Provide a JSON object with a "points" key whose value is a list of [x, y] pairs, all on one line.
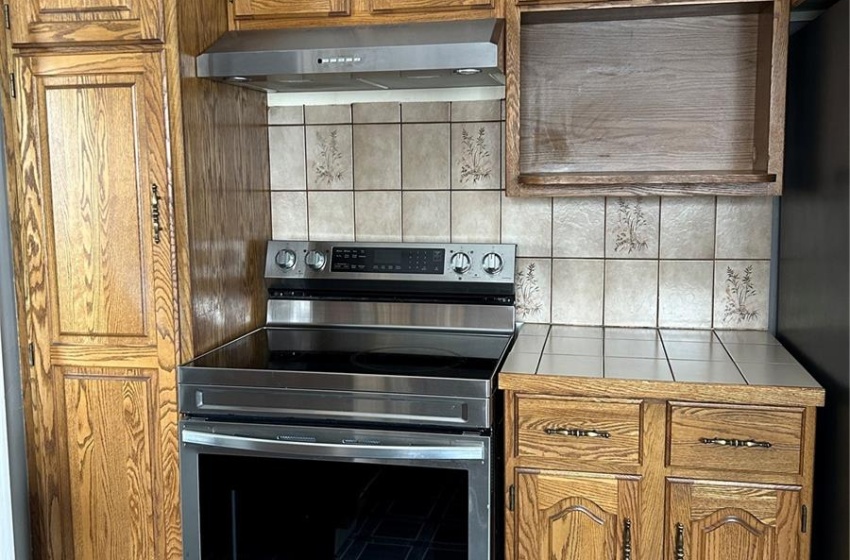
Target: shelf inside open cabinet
{"points": [[671, 99]]}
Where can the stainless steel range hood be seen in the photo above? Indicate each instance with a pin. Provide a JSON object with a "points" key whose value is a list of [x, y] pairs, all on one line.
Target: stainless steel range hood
{"points": [[418, 55]]}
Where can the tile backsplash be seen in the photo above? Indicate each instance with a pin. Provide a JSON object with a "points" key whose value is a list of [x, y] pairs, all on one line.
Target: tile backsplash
{"points": [[433, 171]]}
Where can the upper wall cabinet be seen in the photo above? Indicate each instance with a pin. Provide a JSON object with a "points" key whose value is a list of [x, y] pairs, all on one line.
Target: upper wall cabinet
{"points": [[264, 14], [655, 99], [35, 22]]}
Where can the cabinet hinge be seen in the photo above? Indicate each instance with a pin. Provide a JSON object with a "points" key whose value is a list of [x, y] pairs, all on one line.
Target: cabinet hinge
{"points": [[31, 354], [13, 88], [511, 498], [7, 19], [804, 519]]}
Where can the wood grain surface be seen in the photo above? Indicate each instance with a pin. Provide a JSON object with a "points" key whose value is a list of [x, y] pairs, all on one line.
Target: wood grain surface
{"points": [[782, 428], [61, 22]]}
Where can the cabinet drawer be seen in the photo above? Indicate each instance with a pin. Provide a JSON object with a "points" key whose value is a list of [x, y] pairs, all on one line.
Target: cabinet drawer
{"points": [[740, 438], [585, 430]]}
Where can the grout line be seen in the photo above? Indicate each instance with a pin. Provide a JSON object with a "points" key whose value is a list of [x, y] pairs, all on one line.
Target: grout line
{"points": [[658, 274], [306, 173], [714, 267], [604, 261]]}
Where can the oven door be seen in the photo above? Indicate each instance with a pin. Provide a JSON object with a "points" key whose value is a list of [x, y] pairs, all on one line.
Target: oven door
{"points": [[274, 492]]}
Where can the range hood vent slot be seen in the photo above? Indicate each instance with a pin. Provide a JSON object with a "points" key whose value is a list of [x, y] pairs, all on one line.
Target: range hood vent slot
{"points": [[378, 57]]}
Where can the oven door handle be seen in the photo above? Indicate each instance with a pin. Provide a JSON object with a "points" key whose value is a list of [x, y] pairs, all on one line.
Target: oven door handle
{"points": [[466, 452]]}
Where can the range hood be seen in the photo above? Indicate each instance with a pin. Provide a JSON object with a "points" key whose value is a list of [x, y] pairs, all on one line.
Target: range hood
{"points": [[409, 56]]}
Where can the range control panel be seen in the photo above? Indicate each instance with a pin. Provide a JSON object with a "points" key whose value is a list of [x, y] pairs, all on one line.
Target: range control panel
{"points": [[477, 262]]}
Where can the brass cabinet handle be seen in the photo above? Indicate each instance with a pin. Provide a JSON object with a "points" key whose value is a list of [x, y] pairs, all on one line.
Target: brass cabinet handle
{"points": [[157, 227], [735, 442], [627, 539], [576, 432], [680, 541]]}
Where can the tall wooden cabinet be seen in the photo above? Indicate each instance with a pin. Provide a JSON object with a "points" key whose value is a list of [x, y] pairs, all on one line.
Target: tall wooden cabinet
{"points": [[119, 180]]}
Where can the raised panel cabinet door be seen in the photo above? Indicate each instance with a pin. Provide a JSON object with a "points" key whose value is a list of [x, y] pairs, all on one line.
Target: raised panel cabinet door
{"points": [[96, 237], [567, 516], [286, 9], [428, 6], [722, 521], [85, 21]]}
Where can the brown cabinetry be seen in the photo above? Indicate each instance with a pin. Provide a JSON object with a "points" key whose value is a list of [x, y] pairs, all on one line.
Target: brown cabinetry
{"points": [[625, 98], [40, 22], [647, 478], [262, 14]]}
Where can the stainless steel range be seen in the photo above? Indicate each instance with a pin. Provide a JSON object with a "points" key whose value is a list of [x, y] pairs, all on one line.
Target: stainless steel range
{"points": [[359, 422]]}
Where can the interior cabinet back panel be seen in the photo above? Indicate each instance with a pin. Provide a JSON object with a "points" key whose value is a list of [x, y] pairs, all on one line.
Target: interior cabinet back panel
{"points": [[86, 21], [670, 93]]}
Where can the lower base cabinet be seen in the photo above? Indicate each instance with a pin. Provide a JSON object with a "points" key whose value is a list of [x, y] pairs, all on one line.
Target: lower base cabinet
{"points": [[708, 492]]}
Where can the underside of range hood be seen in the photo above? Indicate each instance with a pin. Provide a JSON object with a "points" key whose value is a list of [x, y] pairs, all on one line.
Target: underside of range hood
{"points": [[410, 56]]}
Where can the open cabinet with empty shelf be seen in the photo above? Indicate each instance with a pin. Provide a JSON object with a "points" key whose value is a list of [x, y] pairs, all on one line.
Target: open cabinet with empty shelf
{"points": [[661, 99]]}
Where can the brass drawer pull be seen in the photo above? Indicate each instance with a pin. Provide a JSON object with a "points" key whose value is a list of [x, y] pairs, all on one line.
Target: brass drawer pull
{"points": [[576, 432], [155, 213], [736, 442], [627, 539]]}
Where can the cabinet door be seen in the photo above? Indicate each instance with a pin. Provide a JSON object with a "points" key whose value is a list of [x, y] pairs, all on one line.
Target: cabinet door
{"points": [[289, 9], [722, 521], [427, 6], [85, 21], [97, 247], [576, 517]]}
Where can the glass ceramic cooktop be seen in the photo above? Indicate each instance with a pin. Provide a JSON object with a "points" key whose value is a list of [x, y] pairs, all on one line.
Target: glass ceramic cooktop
{"points": [[362, 351]]}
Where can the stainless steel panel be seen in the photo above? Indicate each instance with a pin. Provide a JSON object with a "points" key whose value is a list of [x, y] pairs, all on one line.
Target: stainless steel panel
{"points": [[287, 403], [396, 315]]}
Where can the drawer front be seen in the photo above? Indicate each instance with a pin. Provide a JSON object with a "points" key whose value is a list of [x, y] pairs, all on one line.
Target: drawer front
{"points": [[585, 430], [739, 438]]}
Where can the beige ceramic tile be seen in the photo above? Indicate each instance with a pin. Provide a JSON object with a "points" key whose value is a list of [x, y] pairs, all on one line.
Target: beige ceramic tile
{"points": [[741, 294], [377, 215], [621, 348], [425, 112], [706, 372], [467, 111], [521, 362], [630, 333], [527, 343], [289, 215], [783, 375], [476, 155], [331, 216], [577, 292], [425, 156], [744, 227], [528, 223], [746, 337], [287, 158], [502, 162], [574, 346], [532, 329], [631, 293], [572, 366], [533, 290], [329, 165], [760, 354], [687, 335], [327, 114], [685, 292], [696, 351], [476, 216], [377, 156], [637, 368], [376, 112], [578, 227], [425, 216], [632, 228], [687, 228], [286, 115], [568, 331]]}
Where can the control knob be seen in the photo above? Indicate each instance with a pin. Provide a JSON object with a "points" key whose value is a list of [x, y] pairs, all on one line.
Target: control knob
{"points": [[460, 263], [315, 260], [492, 263], [285, 259]]}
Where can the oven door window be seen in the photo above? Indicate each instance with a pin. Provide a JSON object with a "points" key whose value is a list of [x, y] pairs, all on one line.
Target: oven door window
{"points": [[274, 509]]}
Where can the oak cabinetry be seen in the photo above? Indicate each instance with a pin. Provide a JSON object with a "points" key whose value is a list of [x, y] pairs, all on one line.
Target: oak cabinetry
{"points": [[112, 257], [694, 480], [43, 22], [265, 14], [629, 98]]}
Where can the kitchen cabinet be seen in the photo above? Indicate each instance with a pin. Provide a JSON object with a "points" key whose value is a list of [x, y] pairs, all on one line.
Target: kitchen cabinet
{"points": [[51, 22], [270, 14], [628, 98], [112, 259], [608, 468]]}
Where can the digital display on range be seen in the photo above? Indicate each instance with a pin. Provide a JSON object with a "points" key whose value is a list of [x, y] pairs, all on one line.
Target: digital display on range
{"points": [[388, 261]]}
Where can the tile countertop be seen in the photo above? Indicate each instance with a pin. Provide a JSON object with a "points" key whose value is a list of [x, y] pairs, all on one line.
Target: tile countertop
{"points": [[728, 366]]}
